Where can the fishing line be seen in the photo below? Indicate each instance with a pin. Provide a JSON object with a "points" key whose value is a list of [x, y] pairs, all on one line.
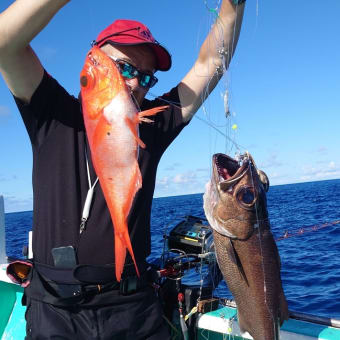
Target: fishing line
{"points": [[221, 76], [260, 242], [207, 122], [91, 16], [216, 43], [173, 103], [134, 99], [304, 230], [226, 96], [221, 72], [213, 10]]}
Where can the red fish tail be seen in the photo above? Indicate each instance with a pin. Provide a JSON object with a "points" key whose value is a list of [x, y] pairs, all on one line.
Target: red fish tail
{"points": [[136, 183], [120, 255], [123, 242], [119, 216], [129, 248]]}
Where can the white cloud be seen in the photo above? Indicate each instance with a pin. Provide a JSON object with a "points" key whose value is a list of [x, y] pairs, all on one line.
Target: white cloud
{"points": [[8, 178], [322, 150], [14, 204], [4, 111], [275, 175], [163, 182], [271, 161], [206, 170], [185, 177], [182, 183], [47, 52], [173, 166], [330, 171], [332, 165], [4, 178]]}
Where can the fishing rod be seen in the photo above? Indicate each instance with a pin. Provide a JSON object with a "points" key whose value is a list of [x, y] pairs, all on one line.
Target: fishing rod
{"points": [[175, 267], [331, 322]]}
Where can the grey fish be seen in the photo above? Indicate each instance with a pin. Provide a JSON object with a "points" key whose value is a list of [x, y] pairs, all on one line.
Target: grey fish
{"points": [[235, 205]]}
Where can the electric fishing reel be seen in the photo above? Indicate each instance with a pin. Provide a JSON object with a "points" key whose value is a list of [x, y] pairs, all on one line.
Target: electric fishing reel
{"points": [[188, 252], [188, 245]]}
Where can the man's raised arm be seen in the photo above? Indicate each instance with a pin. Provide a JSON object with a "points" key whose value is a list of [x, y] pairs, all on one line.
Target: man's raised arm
{"points": [[218, 48], [19, 24]]}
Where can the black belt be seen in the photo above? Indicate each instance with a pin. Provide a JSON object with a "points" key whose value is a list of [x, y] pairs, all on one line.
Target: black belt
{"points": [[82, 283], [87, 274]]}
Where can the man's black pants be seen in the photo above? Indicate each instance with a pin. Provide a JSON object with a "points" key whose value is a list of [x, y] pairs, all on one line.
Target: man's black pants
{"points": [[137, 316]]}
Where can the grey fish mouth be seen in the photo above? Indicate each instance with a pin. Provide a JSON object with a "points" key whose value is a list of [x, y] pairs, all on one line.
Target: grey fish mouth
{"points": [[226, 168]]}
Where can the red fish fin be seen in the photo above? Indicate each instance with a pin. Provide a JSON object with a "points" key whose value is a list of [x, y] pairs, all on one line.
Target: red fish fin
{"points": [[150, 112], [123, 242], [136, 181], [133, 129], [129, 247], [120, 254]]}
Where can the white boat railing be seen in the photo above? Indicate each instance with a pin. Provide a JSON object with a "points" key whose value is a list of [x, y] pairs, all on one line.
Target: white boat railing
{"points": [[315, 319], [298, 316], [3, 257]]}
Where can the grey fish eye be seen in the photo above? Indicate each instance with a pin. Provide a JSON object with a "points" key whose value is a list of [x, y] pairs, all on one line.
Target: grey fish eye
{"points": [[246, 196]]}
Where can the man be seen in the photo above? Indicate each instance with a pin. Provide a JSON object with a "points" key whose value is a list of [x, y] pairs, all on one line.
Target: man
{"points": [[73, 294]]}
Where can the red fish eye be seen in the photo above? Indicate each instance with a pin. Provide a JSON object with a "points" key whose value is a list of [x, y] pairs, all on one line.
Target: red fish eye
{"points": [[87, 79], [83, 81]]}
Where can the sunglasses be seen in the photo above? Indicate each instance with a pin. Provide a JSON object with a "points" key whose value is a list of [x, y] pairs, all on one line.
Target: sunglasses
{"points": [[128, 71]]}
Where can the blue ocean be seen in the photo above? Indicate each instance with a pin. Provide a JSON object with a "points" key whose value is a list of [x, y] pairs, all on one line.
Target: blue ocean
{"points": [[306, 212]]}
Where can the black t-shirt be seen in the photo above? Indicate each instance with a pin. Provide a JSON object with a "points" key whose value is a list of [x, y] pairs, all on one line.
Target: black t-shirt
{"points": [[55, 126]]}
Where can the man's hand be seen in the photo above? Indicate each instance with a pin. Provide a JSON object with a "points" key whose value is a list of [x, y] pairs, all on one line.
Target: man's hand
{"points": [[19, 24]]}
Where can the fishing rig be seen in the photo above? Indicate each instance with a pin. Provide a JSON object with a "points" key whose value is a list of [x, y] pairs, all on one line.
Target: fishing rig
{"points": [[188, 246]]}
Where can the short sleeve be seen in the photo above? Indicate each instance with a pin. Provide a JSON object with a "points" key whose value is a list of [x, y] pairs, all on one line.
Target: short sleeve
{"points": [[169, 123], [50, 105]]}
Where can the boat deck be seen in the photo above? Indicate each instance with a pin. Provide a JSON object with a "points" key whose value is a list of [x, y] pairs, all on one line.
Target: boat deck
{"points": [[12, 313]]}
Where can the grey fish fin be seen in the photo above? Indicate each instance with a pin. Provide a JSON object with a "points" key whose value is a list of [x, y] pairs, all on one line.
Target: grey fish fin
{"points": [[284, 312], [233, 254], [277, 330], [240, 323]]}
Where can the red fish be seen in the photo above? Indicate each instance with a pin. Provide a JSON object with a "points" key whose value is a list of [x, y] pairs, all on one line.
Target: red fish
{"points": [[112, 126]]}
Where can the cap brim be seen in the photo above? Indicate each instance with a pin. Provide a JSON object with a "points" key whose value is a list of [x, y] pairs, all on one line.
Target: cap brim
{"points": [[163, 57]]}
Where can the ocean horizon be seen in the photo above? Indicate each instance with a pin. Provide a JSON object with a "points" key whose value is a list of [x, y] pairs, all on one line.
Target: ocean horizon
{"points": [[305, 211]]}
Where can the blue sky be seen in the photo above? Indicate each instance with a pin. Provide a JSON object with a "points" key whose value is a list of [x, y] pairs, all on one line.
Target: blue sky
{"points": [[283, 89]]}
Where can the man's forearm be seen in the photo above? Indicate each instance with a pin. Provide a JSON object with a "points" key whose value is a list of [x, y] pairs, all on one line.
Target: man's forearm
{"points": [[217, 49], [19, 24], [23, 20], [221, 42]]}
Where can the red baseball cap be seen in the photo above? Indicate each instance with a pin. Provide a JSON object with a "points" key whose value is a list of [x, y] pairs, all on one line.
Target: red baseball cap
{"points": [[130, 32]]}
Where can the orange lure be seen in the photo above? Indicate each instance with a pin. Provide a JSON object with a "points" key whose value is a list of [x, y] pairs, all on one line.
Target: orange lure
{"points": [[112, 125]]}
